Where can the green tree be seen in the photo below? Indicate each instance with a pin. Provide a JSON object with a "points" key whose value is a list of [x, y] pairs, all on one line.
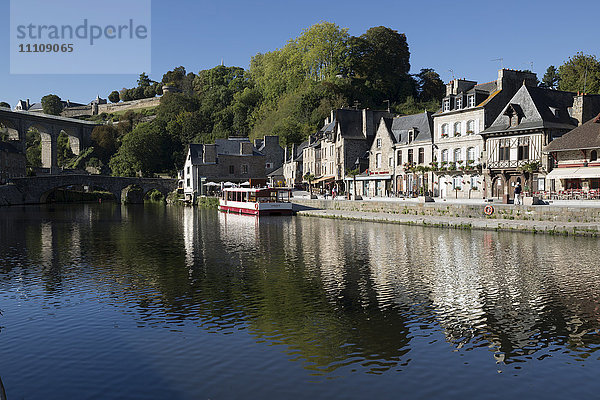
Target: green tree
{"points": [[143, 80], [114, 97], [149, 92], [581, 73], [125, 95], [551, 78], [322, 49], [104, 139], [64, 153], [147, 150], [353, 173], [52, 104], [309, 178], [34, 148], [430, 86]]}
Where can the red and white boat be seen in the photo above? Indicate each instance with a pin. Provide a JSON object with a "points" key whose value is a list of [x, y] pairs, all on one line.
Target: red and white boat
{"points": [[264, 201]]}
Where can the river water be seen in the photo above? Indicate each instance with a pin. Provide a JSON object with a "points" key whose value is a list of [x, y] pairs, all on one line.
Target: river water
{"points": [[114, 302]]}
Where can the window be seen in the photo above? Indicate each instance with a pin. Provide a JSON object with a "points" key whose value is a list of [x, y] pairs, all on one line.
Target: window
{"points": [[231, 169], [378, 143], [471, 100], [445, 155], [541, 184], [188, 182], [457, 155], [244, 168], [458, 103], [410, 156], [593, 155], [523, 149], [446, 105], [475, 182], [471, 154], [378, 160], [391, 162], [445, 130], [457, 182], [411, 136], [189, 170], [504, 149], [421, 155], [457, 128], [470, 127], [267, 166], [399, 161]]}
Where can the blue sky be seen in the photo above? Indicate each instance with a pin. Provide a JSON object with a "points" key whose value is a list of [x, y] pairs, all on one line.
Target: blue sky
{"points": [[463, 36]]}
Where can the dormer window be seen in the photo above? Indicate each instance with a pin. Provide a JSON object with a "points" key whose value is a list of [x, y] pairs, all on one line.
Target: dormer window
{"points": [[411, 135], [471, 100], [458, 103], [378, 143], [513, 112], [446, 105]]}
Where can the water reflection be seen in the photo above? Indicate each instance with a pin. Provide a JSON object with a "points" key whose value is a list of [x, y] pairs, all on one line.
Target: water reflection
{"points": [[333, 294]]}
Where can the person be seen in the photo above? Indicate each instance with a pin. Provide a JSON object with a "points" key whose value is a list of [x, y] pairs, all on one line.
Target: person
{"points": [[518, 190]]}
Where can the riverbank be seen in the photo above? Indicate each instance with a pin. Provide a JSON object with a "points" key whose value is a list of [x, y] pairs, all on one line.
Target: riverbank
{"points": [[575, 221]]}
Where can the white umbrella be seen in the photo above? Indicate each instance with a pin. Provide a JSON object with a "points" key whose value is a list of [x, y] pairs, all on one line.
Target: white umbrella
{"points": [[211, 184], [247, 183], [228, 184]]}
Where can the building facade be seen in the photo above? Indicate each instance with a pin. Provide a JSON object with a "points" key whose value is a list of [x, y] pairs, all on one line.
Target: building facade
{"points": [[467, 109]]}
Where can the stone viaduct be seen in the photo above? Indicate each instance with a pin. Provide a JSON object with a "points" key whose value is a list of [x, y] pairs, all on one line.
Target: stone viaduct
{"points": [[49, 127], [35, 190]]}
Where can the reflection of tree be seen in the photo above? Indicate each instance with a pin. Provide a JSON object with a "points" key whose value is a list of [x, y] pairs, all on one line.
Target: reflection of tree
{"points": [[333, 293]]}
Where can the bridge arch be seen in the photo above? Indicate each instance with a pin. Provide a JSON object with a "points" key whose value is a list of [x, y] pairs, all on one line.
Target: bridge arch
{"points": [[116, 194]]}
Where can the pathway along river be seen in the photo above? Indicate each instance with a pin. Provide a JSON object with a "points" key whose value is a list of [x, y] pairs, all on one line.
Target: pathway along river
{"points": [[110, 302]]}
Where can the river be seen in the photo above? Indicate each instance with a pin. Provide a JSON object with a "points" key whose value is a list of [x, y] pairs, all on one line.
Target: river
{"points": [[112, 302]]}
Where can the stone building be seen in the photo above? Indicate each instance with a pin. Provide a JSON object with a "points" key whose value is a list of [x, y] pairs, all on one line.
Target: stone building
{"points": [[344, 142], [274, 153], [575, 160], [467, 109], [401, 144], [12, 162], [235, 160], [514, 143], [293, 165]]}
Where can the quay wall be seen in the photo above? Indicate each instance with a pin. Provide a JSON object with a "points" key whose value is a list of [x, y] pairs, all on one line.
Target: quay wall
{"points": [[10, 195], [550, 212]]}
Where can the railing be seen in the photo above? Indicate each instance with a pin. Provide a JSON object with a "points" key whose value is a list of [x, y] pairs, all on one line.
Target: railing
{"points": [[568, 194], [508, 163]]}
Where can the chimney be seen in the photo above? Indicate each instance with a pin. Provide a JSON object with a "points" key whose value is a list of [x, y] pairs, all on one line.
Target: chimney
{"points": [[28, 105], [450, 88], [209, 154], [585, 107], [246, 148], [285, 154], [294, 152]]}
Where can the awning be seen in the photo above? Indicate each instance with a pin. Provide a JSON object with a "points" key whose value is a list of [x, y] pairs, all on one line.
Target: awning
{"points": [[370, 178], [574, 173], [324, 179]]}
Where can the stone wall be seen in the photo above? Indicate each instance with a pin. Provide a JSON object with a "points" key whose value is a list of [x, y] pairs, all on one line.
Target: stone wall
{"points": [[501, 211], [111, 108]]}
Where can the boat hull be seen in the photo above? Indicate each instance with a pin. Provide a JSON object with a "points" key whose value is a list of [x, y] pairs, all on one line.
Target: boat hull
{"points": [[253, 211]]}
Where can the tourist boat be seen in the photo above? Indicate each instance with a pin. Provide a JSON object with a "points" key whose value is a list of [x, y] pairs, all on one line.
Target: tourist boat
{"points": [[259, 201]]}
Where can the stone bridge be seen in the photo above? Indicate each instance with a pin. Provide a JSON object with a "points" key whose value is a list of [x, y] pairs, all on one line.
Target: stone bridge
{"points": [[49, 126], [35, 190]]}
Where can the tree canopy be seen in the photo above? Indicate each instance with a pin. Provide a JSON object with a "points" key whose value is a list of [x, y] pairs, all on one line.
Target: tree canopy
{"points": [[52, 104], [581, 73]]}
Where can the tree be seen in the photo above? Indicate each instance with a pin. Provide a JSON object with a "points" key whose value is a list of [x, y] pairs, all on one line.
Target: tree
{"points": [[429, 85], [125, 95], [114, 97], [581, 73], [322, 49], [64, 153], [4, 104], [143, 80], [309, 178], [52, 104], [104, 139], [149, 92], [551, 78]]}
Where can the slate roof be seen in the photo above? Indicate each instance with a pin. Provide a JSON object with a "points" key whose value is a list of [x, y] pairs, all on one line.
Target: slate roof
{"points": [[586, 136], [488, 87], [300, 150], [277, 172], [230, 146], [401, 126], [537, 111]]}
